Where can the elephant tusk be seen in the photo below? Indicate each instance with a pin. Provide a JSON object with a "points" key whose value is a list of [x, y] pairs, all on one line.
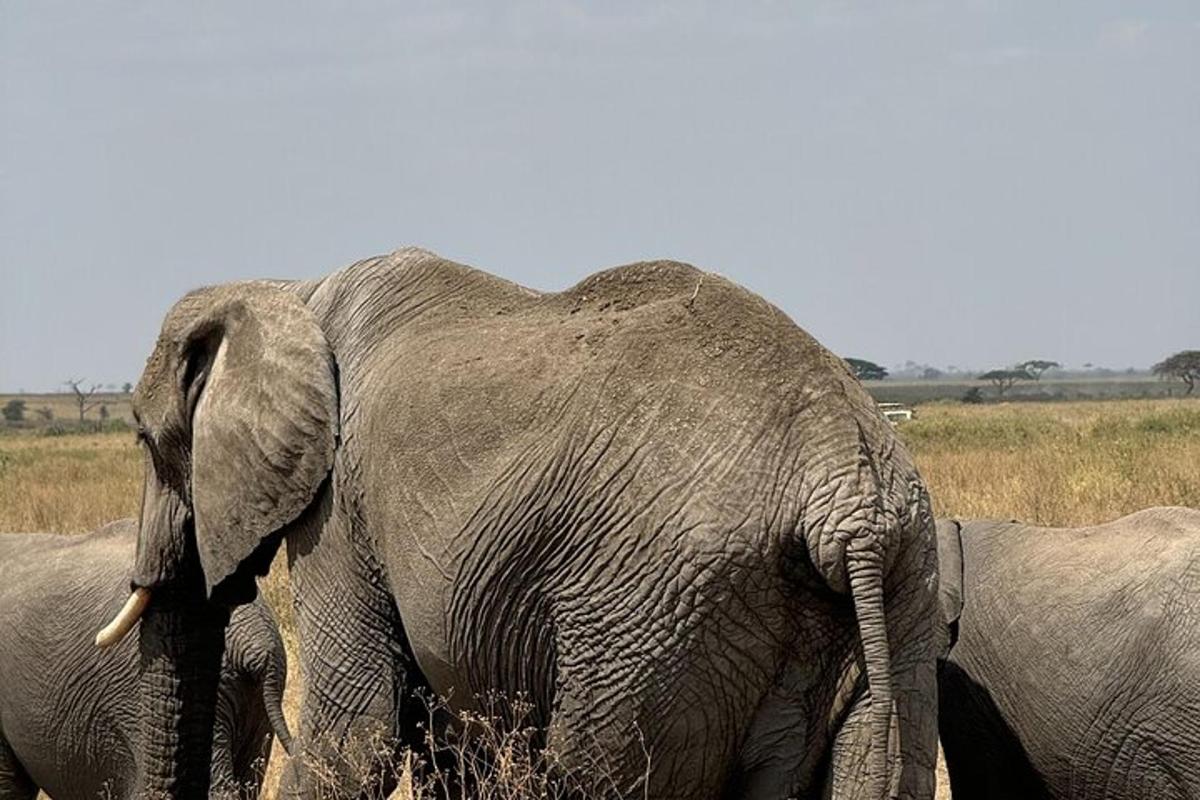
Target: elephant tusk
{"points": [[115, 631]]}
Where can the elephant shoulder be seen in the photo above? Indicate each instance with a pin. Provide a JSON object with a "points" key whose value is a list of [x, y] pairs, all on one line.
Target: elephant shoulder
{"points": [[632, 285], [119, 536], [411, 283], [1161, 542], [41, 569], [1174, 521], [709, 298], [985, 538], [21, 552], [703, 323], [98, 552]]}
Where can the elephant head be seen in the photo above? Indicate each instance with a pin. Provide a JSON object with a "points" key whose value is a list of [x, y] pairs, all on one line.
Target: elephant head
{"points": [[237, 417]]}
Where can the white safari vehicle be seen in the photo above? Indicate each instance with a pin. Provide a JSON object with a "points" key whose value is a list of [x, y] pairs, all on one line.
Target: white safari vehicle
{"points": [[894, 412]]}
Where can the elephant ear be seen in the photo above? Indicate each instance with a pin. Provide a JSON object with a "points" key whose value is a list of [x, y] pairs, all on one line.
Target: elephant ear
{"points": [[950, 570], [264, 426]]}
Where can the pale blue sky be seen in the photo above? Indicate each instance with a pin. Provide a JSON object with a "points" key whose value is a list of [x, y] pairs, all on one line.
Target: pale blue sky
{"points": [[967, 183]]}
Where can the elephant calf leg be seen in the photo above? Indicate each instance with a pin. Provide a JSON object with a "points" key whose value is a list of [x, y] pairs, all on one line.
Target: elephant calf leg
{"points": [[15, 783]]}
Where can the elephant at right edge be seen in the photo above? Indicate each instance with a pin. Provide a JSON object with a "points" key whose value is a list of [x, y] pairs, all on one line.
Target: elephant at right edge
{"points": [[649, 505], [1074, 664]]}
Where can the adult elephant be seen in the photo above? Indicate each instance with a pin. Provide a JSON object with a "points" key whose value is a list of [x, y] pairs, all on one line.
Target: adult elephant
{"points": [[649, 505], [69, 713], [1075, 672]]}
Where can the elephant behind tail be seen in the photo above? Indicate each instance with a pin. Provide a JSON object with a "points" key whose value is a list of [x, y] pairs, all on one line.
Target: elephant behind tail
{"points": [[256, 660]]}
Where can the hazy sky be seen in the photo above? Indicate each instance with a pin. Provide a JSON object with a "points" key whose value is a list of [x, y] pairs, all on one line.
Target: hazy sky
{"points": [[967, 183]]}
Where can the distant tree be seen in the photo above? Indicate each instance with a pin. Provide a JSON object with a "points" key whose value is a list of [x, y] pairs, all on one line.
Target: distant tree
{"points": [[866, 370], [1037, 366], [126, 388], [1183, 366], [46, 413], [14, 410], [931, 374], [83, 398], [1003, 379], [103, 411], [973, 395]]}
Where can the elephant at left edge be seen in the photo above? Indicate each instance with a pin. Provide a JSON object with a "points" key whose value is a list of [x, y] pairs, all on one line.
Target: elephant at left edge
{"points": [[70, 714]]}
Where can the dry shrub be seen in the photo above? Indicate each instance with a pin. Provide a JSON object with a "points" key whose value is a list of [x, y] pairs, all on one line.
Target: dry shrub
{"points": [[489, 754]]}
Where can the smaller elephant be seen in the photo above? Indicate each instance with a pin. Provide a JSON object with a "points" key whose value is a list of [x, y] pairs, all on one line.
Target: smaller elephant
{"points": [[1073, 665], [69, 710]]}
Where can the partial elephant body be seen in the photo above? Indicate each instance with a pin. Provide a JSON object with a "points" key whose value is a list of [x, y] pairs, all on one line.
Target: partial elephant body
{"points": [[557, 438], [69, 713], [643, 505], [1076, 670]]}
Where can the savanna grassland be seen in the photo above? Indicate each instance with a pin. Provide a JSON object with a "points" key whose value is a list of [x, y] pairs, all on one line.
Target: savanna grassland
{"points": [[1058, 463], [1050, 463]]}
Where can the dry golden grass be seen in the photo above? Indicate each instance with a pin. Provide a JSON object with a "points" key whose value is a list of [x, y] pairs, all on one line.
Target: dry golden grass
{"points": [[1048, 463], [1058, 463], [67, 484]]}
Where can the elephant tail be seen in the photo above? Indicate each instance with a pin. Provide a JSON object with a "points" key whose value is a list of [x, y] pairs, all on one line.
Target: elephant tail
{"points": [[864, 568], [256, 650], [274, 680]]}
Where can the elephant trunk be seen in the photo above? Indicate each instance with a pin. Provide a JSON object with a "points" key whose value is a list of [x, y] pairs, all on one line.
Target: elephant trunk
{"points": [[864, 569], [181, 644]]}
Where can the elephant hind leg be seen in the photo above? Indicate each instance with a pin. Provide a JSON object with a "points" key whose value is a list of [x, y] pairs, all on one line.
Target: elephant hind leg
{"points": [[653, 733], [15, 783]]}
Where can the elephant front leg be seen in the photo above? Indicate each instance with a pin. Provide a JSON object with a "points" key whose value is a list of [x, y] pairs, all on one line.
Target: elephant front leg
{"points": [[361, 705], [15, 783], [357, 712]]}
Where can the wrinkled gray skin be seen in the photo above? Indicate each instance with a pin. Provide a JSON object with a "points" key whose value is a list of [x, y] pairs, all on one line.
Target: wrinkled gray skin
{"points": [[650, 504], [69, 712], [1076, 670]]}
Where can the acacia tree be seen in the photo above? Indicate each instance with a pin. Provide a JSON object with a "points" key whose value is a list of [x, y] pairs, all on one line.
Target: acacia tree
{"points": [[1035, 367], [866, 370], [14, 410], [1003, 379], [83, 399], [1183, 366]]}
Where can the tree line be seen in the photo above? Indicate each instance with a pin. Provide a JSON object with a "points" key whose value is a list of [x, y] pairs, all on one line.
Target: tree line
{"points": [[1183, 366], [84, 396]]}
